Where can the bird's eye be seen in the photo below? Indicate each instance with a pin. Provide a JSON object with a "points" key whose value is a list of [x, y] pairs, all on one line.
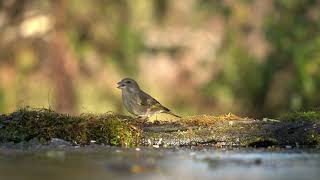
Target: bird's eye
{"points": [[128, 82]]}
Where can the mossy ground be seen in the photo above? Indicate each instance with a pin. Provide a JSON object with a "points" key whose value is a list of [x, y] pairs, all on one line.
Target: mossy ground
{"points": [[113, 129], [310, 120], [301, 115], [44, 124], [293, 129], [206, 120]]}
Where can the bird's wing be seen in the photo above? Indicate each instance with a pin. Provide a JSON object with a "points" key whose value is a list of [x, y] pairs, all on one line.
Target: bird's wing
{"points": [[153, 105], [150, 102]]}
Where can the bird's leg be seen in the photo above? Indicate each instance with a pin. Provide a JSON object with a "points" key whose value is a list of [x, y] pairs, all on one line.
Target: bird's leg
{"points": [[143, 118]]}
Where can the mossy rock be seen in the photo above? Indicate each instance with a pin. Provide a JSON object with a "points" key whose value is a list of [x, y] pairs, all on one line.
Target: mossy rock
{"points": [[301, 116], [113, 129], [44, 124]]}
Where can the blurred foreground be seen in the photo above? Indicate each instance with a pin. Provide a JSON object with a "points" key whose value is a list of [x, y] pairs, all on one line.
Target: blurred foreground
{"points": [[101, 162]]}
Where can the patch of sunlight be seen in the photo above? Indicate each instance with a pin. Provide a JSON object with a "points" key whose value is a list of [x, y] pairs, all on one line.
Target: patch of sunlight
{"points": [[94, 99], [35, 26], [162, 117]]}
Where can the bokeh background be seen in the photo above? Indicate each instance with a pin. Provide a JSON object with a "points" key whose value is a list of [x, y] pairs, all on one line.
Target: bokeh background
{"points": [[250, 57]]}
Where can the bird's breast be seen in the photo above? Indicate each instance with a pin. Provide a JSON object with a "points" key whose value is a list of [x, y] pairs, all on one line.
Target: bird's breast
{"points": [[130, 101]]}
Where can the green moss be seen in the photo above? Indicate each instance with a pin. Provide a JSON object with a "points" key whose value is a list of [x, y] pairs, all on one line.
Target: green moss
{"points": [[305, 116], [260, 142], [300, 128], [312, 137], [44, 124]]}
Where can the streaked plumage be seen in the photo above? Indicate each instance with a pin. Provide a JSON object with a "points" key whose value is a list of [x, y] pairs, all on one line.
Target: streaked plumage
{"points": [[138, 102]]}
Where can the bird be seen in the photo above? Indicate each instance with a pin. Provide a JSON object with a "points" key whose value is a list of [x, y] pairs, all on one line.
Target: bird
{"points": [[138, 102]]}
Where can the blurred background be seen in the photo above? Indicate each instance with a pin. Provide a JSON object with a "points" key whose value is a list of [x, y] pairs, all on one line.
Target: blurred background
{"points": [[250, 57]]}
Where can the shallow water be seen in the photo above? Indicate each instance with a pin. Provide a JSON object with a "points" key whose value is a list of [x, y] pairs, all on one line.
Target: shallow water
{"points": [[104, 162]]}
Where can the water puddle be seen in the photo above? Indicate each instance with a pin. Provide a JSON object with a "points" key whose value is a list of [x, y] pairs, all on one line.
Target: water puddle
{"points": [[97, 162]]}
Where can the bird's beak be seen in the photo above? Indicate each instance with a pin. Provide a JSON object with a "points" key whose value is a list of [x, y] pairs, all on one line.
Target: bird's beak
{"points": [[120, 85]]}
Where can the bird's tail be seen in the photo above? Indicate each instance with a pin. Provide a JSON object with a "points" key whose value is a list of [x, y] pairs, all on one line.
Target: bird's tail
{"points": [[171, 113]]}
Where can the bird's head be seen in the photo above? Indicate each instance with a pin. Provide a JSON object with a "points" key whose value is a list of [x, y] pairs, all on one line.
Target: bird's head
{"points": [[128, 84]]}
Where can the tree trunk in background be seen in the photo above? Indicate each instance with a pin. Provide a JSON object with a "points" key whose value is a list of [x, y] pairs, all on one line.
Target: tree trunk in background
{"points": [[63, 65]]}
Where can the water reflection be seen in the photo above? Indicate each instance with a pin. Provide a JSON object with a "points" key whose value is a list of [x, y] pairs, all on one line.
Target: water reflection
{"points": [[104, 162]]}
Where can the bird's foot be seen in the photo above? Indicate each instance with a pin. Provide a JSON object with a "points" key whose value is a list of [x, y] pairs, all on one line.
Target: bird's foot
{"points": [[142, 119]]}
